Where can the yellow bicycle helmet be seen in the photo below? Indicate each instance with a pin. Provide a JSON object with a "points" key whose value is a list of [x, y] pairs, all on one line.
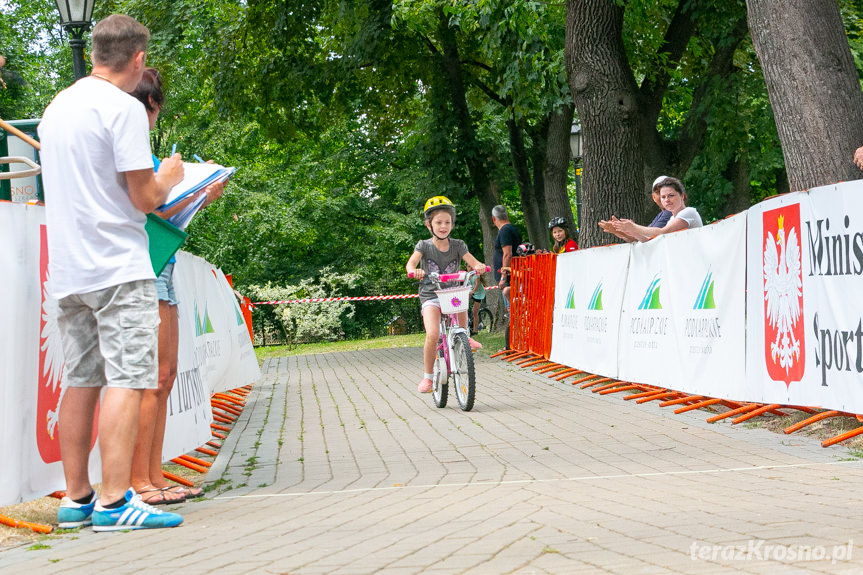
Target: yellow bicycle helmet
{"points": [[437, 203]]}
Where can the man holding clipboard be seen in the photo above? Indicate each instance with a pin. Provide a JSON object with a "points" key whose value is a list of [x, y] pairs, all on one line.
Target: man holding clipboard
{"points": [[99, 185]]}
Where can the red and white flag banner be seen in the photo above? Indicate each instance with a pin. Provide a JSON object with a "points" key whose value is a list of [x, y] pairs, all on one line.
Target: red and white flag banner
{"points": [[215, 354], [805, 314]]}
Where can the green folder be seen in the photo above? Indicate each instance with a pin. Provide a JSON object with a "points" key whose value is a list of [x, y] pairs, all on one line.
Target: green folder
{"points": [[165, 240]]}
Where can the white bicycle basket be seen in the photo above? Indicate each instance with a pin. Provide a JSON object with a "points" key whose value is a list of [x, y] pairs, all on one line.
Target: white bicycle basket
{"points": [[454, 300]]}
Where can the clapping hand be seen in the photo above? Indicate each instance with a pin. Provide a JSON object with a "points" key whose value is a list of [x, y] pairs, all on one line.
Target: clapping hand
{"points": [[858, 157]]}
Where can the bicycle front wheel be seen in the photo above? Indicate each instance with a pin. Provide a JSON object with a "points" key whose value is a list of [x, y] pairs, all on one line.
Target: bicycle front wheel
{"points": [[486, 321], [439, 380], [464, 377]]}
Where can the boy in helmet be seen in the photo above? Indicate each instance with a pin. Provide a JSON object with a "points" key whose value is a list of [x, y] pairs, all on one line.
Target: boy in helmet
{"points": [[443, 255]]}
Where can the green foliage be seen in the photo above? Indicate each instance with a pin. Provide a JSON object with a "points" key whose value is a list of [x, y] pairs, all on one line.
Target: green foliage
{"points": [[735, 107], [340, 120], [740, 129], [38, 61], [309, 322], [852, 18]]}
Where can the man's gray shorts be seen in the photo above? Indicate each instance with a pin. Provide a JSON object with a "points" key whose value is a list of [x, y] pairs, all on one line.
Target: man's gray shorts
{"points": [[111, 336]]}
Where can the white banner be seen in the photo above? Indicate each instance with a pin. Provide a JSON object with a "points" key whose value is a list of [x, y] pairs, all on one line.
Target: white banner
{"points": [[223, 349], [805, 264], [683, 319], [31, 386], [189, 413], [647, 343], [13, 427], [215, 352], [588, 294], [707, 293], [243, 368]]}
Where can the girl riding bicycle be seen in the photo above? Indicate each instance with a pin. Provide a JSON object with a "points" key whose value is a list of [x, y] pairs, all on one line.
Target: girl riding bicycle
{"points": [[440, 254]]}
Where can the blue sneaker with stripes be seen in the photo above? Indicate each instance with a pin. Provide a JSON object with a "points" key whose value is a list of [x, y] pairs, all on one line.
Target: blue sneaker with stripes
{"points": [[134, 514], [71, 515]]}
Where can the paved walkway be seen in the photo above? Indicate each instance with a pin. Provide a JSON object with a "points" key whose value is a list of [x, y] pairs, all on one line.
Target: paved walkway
{"points": [[337, 465]]}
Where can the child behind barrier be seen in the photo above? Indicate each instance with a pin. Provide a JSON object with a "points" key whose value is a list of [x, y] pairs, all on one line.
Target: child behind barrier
{"points": [[477, 297], [440, 254], [562, 240]]}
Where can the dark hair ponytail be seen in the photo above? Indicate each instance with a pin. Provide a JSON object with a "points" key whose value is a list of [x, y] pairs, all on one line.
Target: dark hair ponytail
{"points": [[149, 90]]}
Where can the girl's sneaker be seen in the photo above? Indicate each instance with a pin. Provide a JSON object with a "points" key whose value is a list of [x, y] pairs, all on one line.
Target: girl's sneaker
{"points": [[474, 344], [134, 514], [425, 385], [71, 515]]}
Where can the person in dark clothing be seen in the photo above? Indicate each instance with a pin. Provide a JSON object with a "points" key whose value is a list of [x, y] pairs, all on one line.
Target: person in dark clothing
{"points": [[508, 238]]}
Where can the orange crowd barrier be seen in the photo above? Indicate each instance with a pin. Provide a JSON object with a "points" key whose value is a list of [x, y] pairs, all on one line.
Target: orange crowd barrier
{"points": [[532, 304], [177, 479], [37, 527]]}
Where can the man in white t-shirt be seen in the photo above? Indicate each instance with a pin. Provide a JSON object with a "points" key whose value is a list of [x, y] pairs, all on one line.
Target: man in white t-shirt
{"points": [[99, 185]]}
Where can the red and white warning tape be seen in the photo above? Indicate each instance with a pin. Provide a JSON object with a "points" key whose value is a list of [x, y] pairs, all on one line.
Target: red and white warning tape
{"points": [[329, 299], [323, 299]]}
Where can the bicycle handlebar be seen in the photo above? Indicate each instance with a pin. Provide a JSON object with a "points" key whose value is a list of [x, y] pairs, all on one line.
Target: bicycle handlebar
{"points": [[443, 278]]}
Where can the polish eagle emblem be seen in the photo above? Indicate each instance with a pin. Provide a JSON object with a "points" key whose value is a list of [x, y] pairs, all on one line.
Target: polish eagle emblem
{"points": [[52, 353], [783, 289]]}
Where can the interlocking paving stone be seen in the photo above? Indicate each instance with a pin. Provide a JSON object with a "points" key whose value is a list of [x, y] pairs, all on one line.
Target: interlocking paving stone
{"points": [[337, 465]]}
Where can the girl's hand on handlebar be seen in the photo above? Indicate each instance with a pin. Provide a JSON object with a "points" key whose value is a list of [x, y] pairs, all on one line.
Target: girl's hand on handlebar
{"points": [[418, 274], [481, 269]]}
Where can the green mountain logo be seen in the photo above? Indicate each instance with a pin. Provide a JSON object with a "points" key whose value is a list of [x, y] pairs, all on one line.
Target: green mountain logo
{"points": [[705, 294], [570, 297], [202, 324], [651, 296], [596, 298]]}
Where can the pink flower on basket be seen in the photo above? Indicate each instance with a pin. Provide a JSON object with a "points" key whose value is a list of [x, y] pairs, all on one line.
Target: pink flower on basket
{"points": [[455, 302]]}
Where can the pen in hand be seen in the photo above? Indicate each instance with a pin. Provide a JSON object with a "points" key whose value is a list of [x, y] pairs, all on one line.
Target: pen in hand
{"points": [[173, 149]]}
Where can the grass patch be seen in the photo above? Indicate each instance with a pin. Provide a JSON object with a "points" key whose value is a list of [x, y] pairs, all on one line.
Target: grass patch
{"points": [[42, 510], [820, 430], [411, 340], [491, 342]]}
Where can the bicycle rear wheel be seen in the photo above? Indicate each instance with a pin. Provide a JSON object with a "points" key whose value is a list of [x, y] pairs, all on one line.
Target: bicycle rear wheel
{"points": [[486, 321], [464, 377]]}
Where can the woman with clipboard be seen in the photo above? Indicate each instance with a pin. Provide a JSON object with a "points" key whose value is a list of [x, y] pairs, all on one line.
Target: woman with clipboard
{"points": [[147, 478]]}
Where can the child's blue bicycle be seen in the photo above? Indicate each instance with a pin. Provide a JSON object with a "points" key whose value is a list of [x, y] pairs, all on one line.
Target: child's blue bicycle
{"points": [[454, 359]]}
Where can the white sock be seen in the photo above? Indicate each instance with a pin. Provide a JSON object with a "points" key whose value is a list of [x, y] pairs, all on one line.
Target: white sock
{"points": [[427, 375]]}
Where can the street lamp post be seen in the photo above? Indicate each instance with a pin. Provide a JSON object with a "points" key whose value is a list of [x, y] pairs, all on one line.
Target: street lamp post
{"points": [[75, 16], [575, 150]]}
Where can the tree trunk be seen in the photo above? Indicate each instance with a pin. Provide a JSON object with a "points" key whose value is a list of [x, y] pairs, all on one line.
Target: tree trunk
{"points": [[605, 96], [529, 201], [557, 165], [538, 150], [738, 173], [489, 231], [469, 148], [813, 86]]}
